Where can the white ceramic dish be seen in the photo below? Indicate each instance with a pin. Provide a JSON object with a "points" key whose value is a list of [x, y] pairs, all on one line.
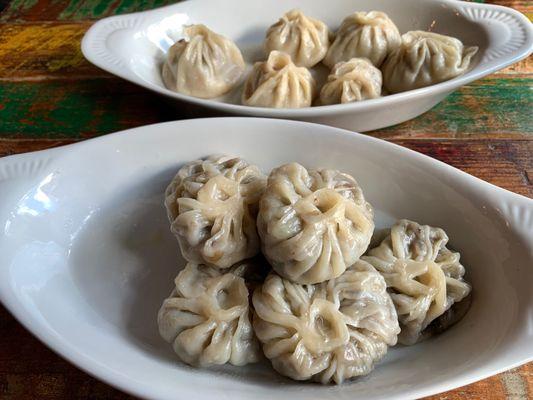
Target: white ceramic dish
{"points": [[86, 256], [133, 47]]}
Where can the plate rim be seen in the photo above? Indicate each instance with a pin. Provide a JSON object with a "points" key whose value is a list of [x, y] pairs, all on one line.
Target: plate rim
{"points": [[120, 381], [94, 50]]}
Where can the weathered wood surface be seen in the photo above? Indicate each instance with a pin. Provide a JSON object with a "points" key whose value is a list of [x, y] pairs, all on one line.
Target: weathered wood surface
{"points": [[50, 96], [490, 108]]}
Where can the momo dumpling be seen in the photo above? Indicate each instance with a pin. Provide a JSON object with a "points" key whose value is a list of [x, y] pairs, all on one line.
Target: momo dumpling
{"points": [[279, 83], [204, 65], [349, 81], [328, 332], [313, 224], [370, 35], [423, 59], [303, 38], [206, 318], [212, 207], [424, 278]]}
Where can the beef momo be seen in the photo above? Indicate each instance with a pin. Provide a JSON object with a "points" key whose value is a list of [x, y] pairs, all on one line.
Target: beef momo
{"points": [[203, 65], [423, 59], [349, 81], [206, 318], [313, 224], [328, 332], [279, 83], [425, 279], [370, 35], [304, 39], [212, 207]]}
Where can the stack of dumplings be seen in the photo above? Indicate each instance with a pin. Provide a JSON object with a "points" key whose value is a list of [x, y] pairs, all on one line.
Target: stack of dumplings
{"points": [[281, 267], [367, 57]]}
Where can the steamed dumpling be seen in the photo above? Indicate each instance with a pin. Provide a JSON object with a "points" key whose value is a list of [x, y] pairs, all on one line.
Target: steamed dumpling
{"points": [[204, 65], [353, 80], [424, 278], [327, 332], [212, 206], [303, 38], [206, 318], [279, 83], [371, 35], [313, 224], [423, 59]]}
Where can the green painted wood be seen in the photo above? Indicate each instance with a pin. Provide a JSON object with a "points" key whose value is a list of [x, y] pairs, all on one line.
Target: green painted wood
{"points": [[492, 107], [77, 109], [43, 10], [489, 107]]}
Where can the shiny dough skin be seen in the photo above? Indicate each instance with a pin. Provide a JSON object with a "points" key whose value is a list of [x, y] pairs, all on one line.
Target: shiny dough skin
{"points": [[423, 59], [212, 207], [424, 278], [204, 65], [313, 224], [353, 80], [370, 35], [206, 318], [328, 332]]}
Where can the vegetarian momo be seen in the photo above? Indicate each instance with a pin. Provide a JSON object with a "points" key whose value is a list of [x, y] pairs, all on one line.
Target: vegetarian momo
{"points": [[313, 224], [204, 65], [206, 318], [371, 35], [326, 332], [304, 38], [212, 207], [423, 59], [424, 278], [349, 81], [279, 83]]}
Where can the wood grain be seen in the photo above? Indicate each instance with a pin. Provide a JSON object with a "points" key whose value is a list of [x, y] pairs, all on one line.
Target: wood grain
{"points": [[44, 51], [490, 108], [504, 163], [77, 109], [33, 54]]}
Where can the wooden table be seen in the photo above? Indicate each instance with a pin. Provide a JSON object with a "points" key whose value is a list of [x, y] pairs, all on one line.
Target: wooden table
{"points": [[49, 96]]}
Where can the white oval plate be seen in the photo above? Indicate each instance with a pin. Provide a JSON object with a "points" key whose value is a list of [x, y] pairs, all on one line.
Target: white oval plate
{"points": [[134, 47], [86, 256]]}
